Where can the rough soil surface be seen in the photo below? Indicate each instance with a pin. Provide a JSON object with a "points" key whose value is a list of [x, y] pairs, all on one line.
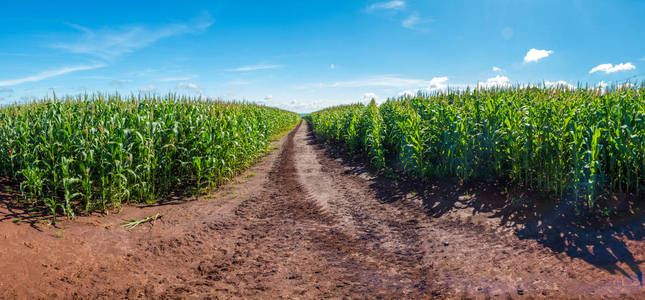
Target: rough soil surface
{"points": [[308, 223]]}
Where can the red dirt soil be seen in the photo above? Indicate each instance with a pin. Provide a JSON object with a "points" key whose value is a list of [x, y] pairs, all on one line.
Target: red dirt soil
{"points": [[308, 223]]}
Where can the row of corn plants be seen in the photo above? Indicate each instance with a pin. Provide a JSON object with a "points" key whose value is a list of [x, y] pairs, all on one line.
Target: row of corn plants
{"points": [[578, 144], [95, 152]]}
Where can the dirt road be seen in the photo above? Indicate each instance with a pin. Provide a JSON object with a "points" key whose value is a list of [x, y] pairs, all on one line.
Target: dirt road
{"points": [[307, 223]]}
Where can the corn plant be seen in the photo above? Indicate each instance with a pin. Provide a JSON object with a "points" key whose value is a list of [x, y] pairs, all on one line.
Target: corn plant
{"points": [[581, 143], [96, 152]]}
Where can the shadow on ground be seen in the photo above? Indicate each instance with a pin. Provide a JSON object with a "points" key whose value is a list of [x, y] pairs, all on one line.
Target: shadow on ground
{"points": [[12, 210], [599, 241]]}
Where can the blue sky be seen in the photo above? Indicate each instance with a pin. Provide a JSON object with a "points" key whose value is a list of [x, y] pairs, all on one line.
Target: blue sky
{"points": [[305, 55]]}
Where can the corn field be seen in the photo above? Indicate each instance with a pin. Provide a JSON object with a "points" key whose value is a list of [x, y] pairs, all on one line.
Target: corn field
{"points": [[96, 152], [578, 144]]}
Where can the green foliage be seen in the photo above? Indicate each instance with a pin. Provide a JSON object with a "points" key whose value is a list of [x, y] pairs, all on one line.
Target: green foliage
{"points": [[576, 143], [97, 152]]}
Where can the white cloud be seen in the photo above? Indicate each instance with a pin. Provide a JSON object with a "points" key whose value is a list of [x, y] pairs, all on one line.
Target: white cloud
{"points": [[603, 85], [306, 106], [368, 97], [187, 85], [408, 85], [410, 21], [438, 83], [268, 97], [414, 21], [389, 5], [148, 89], [256, 68], [434, 85], [109, 43], [560, 83], [534, 55], [332, 66], [497, 69], [49, 74], [6, 90], [625, 85], [609, 68], [407, 94], [497, 81]]}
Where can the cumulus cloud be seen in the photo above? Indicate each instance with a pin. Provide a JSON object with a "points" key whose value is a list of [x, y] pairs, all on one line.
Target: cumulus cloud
{"points": [[48, 74], [187, 85], [434, 85], [256, 68], [609, 68], [534, 55], [438, 83], [559, 83], [497, 69], [389, 5], [407, 94], [109, 43], [497, 81], [268, 97], [368, 97]]}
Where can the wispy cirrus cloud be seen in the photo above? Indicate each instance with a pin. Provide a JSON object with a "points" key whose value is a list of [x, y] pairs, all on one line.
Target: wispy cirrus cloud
{"points": [[109, 43], [497, 69], [535, 55], [609, 68], [49, 74], [255, 68], [388, 5], [414, 21], [411, 21]]}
